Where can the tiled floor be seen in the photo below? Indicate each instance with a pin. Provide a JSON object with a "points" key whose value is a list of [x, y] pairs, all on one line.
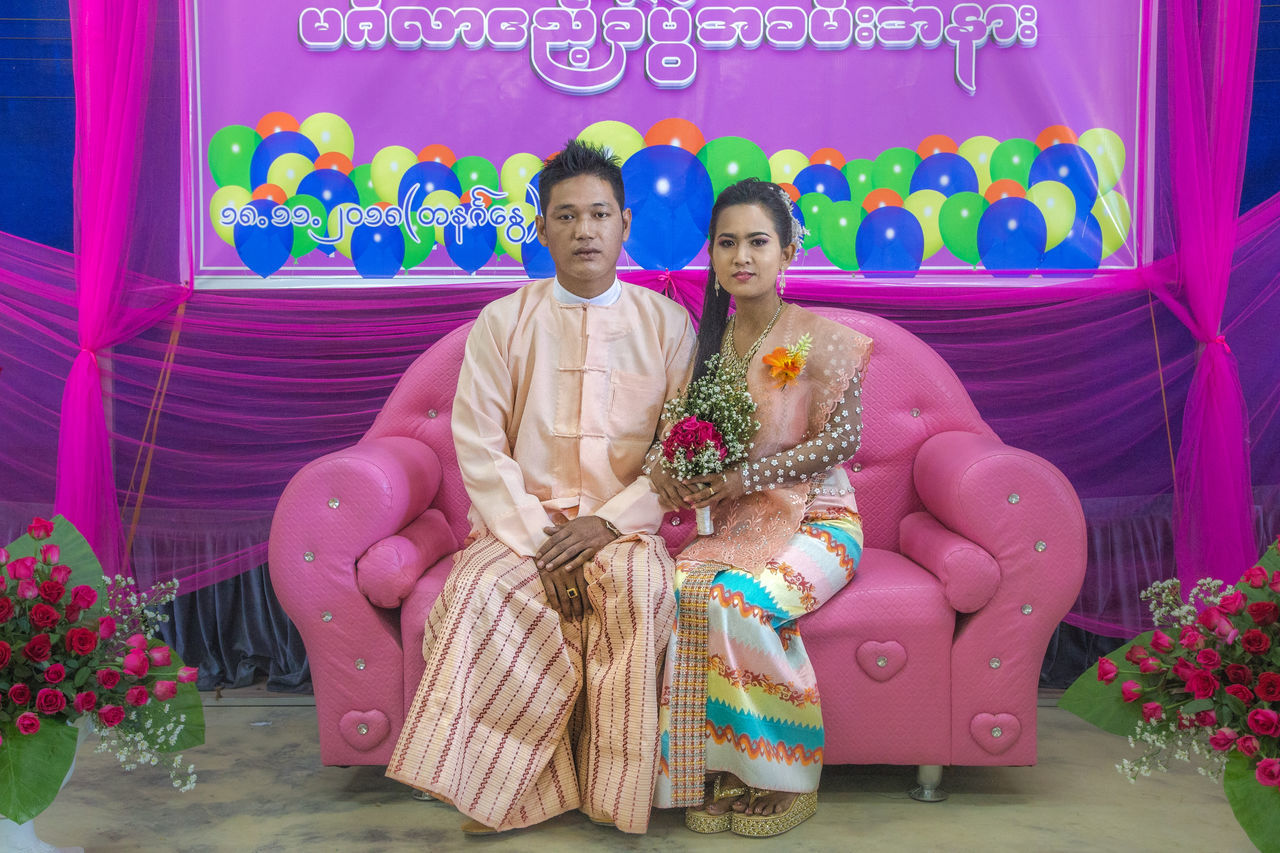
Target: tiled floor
{"points": [[262, 788]]}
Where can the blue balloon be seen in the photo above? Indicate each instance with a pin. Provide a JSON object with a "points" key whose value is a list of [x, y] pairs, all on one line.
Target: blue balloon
{"points": [[377, 250], [475, 247], [947, 173], [263, 246], [890, 241], [531, 192], [428, 177], [1012, 235], [282, 142], [1081, 250], [537, 260], [670, 196], [1071, 165], [331, 187], [821, 178]]}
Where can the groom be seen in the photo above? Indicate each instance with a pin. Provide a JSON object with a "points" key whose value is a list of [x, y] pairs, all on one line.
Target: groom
{"points": [[541, 687]]}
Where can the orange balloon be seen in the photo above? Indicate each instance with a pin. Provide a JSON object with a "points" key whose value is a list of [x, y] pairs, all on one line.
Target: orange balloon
{"points": [[939, 143], [334, 160], [791, 191], [883, 197], [1004, 188], [829, 157], [437, 154], [679, 132], [1054, 135], [276, 122], [272, 192]]}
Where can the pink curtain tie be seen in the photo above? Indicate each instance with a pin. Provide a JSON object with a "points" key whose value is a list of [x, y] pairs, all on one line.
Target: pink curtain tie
{"points": [[668, 284], [1221, 340]]}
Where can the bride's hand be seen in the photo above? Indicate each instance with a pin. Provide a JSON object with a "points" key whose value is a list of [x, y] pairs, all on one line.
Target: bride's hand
{"points": [[672, 492], [710, 489]]}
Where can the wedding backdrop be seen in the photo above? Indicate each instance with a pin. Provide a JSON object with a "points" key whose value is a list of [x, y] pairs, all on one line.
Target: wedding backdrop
{"points": [[164, 380]]}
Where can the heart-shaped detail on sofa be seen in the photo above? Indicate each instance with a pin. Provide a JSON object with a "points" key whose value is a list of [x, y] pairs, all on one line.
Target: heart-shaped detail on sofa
{"points": [[881, 661], [995, 732], [364, 729]]}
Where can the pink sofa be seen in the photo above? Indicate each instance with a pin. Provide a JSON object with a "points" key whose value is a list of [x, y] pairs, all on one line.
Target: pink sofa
{"points": [[974, 552]]}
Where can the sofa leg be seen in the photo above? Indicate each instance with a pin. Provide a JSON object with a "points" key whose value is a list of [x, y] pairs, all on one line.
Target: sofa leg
{"points": [[928, 784], [424, 796]]}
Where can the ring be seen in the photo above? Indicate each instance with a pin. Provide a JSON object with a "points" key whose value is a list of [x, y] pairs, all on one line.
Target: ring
{"points": [[572, 592]]}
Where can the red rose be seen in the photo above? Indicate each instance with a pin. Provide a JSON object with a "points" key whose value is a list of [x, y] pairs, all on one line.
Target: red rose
{"points": [[1248, 745], [1183, 669], [1209, 659], [187, 674], [85, 702], [111, 715], [1107, 670], [81, 641], [37, 649], [72, 613], [1255, 577], [6, 652], [84, 597], [1264, 721], [1268, 772], [166, 690], [1150, 665], [1274, 586], [1255, 642], [108, 678], [1244, 694], [1130, 691], [136, 663], [49, 554], [1151, 711], [55, 673], [1269, 686], [6, 608], [1264, 613], [1206, 719], [1136, 654], [4, 558], [40, 528], [137, 696], [19, 694], [1161, 642], [159, 655], [1222, 739], [106, 627], [1202, 685], [28, 589], [137, 641], [50, 701], [28, 723], [44, 616], [61, 574], [1239, 674], [1190, 638], [22, 568], [52, 591], [1232, 603]]}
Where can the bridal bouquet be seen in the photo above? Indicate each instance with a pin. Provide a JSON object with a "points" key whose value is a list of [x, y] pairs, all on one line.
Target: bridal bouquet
{"points": [[78, 648], [1204, 685], [712, 425]]}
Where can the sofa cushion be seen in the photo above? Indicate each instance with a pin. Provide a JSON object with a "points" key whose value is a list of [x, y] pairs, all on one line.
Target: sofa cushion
{"points": [[968, 573], [390, 569]]}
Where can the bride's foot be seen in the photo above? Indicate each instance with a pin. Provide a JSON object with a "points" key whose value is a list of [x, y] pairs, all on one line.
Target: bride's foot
{"points": [[765, 803], [725, 792], [771, 813]]}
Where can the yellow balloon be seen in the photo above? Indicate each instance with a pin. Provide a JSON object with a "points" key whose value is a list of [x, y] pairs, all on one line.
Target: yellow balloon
{"points": [[927, 207], [1056, 201], [233, 196], [511, 247], [516, 174], [288, 170], [1107, 150], [444, 199], [1115, 217], [785, 165], [336, 221], [977, 150], [621, 139], [330, 133], [388, 168]]}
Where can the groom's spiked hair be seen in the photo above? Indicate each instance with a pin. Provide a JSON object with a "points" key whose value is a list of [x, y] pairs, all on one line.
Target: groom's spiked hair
{"points": [[580, 158]]}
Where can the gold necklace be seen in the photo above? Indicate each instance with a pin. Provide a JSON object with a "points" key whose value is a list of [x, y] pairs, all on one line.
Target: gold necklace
{"points": [[732, 364]]}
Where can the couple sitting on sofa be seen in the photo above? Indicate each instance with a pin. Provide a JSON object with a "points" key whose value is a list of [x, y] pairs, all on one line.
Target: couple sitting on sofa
{"points": [[555, 679]]}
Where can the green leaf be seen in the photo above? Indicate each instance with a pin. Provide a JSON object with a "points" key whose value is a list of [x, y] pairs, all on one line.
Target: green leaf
{"points": [[1195, 706], [75, 552], [33, 767], [1100, 704], [82, 675], [1256, 807]]}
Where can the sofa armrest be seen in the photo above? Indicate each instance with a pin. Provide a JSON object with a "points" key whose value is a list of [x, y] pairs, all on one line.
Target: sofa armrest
{"points": [[969, 574], [390, 569]]}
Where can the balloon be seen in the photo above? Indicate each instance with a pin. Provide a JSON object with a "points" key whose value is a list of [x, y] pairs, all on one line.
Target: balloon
{"points": [[233, 196], [791, 191], [857, 173], [1107, 150], [275, 145], [287, 172], [839, 229], [978, 150], [335, 160], [270, 192], [303, 242], [377, 250], [938, 143], [679, 132], [622, 140], [1115, 218], [958, 223], [388, 168], [230, 154], [730, 159], [329, 132], [476, 172], [1058, 207], [947, 173], [1071, 165], [339, 225], [890, 240], [1004, 188], [1011, 235], [810, 210], [263, 246], [883, 197], [828, 157], [927, 207], [362, 177], [416, 250], [276, 122], [784, 165], [507, 231], [893, 170], [427, 178], [516, 173], [824, 179], [440, 199], [669, 193], [1054, 134], [1012, 159], [331, 187], [441, 154], [474, 247], [1081, 250]]}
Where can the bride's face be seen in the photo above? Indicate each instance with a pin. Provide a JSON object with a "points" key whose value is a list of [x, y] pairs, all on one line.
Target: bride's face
{"points": [[746, 252]]}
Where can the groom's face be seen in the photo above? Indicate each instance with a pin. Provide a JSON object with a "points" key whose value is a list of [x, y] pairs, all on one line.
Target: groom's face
{"points": [[584, 229]]}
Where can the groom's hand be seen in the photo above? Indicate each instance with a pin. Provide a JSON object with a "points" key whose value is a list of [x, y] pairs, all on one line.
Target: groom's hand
{"points": [[564, 556]]}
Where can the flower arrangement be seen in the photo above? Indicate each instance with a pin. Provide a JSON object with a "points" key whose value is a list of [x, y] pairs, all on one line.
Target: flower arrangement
{"points": [[712, 424], [1203, 686], [787, 363], [75, 646]]}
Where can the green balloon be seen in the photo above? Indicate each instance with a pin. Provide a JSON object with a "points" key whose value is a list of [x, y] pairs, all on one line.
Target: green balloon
{"points": [[958, 223], [893, 169], [416, 253], [230, 153], [730, 159], [362, 177], [812, 207], [1012, 159], [303, 242], [858, 174], [476, 172], [840, 233]]}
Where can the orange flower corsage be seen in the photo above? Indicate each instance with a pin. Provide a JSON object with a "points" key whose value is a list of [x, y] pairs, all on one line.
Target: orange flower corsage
{"points": [[786, 363]]}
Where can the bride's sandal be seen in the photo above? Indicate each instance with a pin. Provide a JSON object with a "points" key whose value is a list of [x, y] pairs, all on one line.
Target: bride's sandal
{"points": [[765, 826], [700, 820]]}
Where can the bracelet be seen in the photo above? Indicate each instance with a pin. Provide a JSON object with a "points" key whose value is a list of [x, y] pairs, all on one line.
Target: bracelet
{"points": [[613, 531]]}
